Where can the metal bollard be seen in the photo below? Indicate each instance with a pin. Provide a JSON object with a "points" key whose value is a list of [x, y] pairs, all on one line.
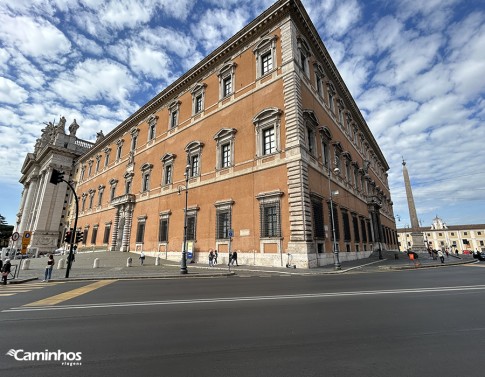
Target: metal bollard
{"points": [[129, 262], [96, 263], [61, 264], [157, 261], [26, 264]]}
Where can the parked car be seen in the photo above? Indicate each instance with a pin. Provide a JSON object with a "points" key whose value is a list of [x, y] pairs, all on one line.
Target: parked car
{"points": [[481, 255]]}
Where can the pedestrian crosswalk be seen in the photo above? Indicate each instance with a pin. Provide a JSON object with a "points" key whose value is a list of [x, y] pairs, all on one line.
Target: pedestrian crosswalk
{"points": [[13, 289]]}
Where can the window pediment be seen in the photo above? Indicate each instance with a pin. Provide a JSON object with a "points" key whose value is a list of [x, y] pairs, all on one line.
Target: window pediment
{"points": [[325, 133], [168, 157], [225, 133], [267, 114]]}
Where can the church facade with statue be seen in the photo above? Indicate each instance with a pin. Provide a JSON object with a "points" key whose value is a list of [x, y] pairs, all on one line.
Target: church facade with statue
{"points": [[44, 207]]}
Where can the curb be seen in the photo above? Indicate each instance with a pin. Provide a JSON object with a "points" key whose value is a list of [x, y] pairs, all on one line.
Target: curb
{"points": [[427, 266]]}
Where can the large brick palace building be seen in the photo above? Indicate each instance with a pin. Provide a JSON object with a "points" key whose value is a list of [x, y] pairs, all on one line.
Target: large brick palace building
{"points": [[259, 127]]}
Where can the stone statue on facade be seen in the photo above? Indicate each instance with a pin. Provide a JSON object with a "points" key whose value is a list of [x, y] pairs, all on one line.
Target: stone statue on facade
{"points": [[99, 136], [73, 128]]}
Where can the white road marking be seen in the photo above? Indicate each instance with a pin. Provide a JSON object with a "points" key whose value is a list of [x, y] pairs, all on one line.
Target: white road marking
{"points": [[254, 298]]}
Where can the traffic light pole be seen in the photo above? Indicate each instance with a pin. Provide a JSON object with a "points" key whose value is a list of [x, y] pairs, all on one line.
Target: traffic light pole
{"points": [[73, 234], [58, 177]]}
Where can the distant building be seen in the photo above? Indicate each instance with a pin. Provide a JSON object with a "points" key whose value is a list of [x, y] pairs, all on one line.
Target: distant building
{"points": [[257, 126], [464, 238]]}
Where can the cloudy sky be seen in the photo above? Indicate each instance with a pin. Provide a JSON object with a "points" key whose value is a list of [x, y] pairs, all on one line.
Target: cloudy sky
{"points": [[415, 68]]}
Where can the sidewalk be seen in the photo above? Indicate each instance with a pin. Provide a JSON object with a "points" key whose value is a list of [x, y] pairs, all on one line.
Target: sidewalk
{"points": [[112, 265]]}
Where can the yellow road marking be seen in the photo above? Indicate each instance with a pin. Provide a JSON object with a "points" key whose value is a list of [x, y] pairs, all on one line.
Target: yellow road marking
{"points": [[71, 294]]}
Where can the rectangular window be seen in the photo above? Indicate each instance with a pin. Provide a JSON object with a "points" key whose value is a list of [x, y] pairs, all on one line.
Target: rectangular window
{"points": [[227, 86], [330, 101], [91, 197], [303, 62], [163, 230], [85, 236], [198, 103], [266, 63], [173, 119], [118, 152], [140, 232], [100, 198], [311, 140], [355, 222], [319, 85], [106, 160], [112, 194], [146, 183], [107, 230], [270, 220], [93, 236], [151, 131], [345, 218], [97, 164], [191, 221], [226, 155], [269, 141], [318, 225], [325, 154], [223, 224], [133, 143], [168, 175], [362, 227], [128, 187], [194, 166]]}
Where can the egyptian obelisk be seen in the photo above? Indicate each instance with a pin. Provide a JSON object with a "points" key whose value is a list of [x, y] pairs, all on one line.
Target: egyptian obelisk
{"points": [[416, 235]]}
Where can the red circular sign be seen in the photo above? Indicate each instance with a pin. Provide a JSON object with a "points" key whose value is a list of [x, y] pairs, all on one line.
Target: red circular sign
{"points": [[15, 236]]}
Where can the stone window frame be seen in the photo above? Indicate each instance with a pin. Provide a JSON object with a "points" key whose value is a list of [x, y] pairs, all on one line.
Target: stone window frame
{"points": [[192, 215], [91, 198], [223, 207], [319, 78], [340, 112], [225, 136], [317, 205], [228, 71], [167, 160], [152, 127], [94, 234], [112, 189], [337, 155], [128, 176], [134, 132], [266, 46], [267, 118], [90, 167], [194, 153], [270, 200], [107, 232], [119, 149], [140, 229], [304, 55], [198, 92], [356, 169], [164, 216], [174, 114], [326, 140], [311, 126], [331, 92], [98, 162], [83, 201], [146, 170], [348, 162], [107, 152], [100, 195], [83, 171]]}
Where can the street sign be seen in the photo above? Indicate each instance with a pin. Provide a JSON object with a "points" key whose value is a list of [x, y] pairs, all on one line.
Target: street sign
{"points": [[26, 241], [15, 236], [230, 233]]}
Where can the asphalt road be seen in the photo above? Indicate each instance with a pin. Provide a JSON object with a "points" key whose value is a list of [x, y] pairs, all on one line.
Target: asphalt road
{"points": [[408, 323]]}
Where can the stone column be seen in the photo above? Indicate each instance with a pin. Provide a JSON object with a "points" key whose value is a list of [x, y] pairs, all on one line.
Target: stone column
{"points": [[27, 210], [114, 235], [125, 243]]}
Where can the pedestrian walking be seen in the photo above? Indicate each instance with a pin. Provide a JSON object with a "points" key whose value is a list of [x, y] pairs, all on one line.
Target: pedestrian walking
{"points": [[211, 258], [230, 259], [234, 258], [441, 255], [142, 258], [48, 268], [6, 270], [216, 254]]}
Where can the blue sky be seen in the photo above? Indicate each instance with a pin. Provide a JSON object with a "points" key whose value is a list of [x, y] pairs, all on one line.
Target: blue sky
{"points": [[415, 68]]}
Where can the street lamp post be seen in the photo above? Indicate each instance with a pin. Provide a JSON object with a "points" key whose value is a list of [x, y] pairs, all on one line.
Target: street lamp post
{"points": [[337, 265], [183, 262]]}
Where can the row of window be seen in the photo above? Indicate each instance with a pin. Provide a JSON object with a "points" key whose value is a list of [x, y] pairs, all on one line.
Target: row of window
{"points": [[265, 52], [270, 224]]}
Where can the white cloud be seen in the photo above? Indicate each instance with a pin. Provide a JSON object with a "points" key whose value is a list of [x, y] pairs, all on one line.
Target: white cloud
{"points": [[10, 92], [150, 62], [33, 37]]}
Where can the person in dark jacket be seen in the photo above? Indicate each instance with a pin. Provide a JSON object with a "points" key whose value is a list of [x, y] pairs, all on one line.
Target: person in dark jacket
{"points": [[234, 258], [6, 270]]}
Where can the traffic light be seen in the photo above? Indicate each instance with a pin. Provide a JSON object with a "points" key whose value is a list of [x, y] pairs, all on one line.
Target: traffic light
{"points": [[79, 236], [56, 177], [68, 236]]}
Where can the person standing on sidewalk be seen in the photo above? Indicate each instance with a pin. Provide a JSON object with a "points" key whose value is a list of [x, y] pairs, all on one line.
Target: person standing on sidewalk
{"points": [[211, 258], [142, 258], [216, 254], [234, 258], [48, 268], [6, 270], [441, 255]]}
